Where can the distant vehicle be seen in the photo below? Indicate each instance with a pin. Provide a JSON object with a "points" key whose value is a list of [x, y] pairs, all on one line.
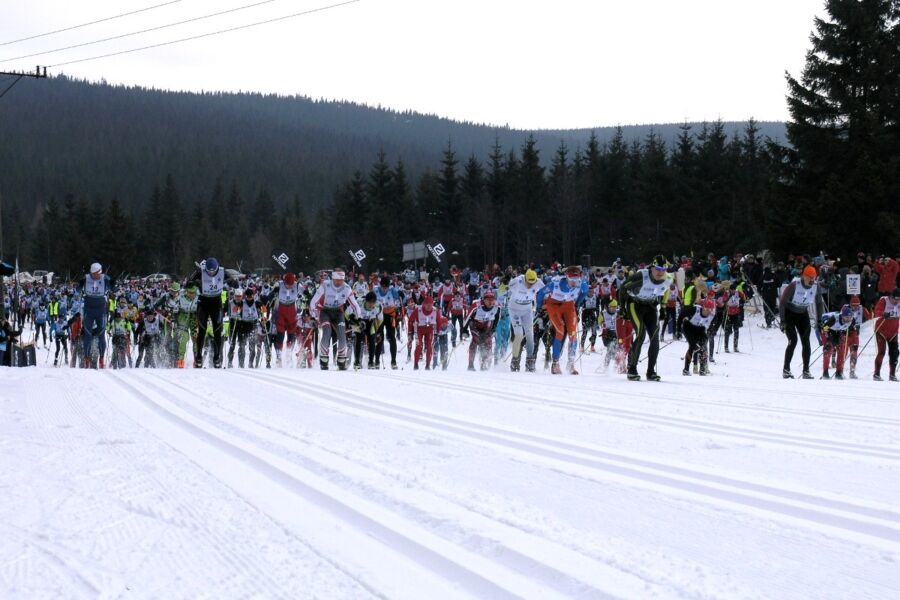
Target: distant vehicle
{"points": [[43, 276], [158, 278]]}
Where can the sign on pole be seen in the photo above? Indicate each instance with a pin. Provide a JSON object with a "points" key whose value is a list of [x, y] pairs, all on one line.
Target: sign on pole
{"points": [[853, 286]]}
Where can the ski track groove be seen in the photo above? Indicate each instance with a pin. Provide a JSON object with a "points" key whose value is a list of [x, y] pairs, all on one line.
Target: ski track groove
{"points": [[526, 564], [838, 416], [148, 497], [262, 567], [417, 551], [714, 428], [697, 483]]}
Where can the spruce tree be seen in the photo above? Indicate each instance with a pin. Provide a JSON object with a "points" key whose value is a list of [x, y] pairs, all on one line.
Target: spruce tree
{"points": [[843, 167]]}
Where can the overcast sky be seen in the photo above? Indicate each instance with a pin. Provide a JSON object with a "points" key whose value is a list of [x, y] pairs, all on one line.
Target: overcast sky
{"points": [[549, 64]]}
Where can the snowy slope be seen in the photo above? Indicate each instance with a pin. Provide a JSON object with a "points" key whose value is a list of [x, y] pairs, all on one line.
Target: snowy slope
{"points": [[307, 484]]}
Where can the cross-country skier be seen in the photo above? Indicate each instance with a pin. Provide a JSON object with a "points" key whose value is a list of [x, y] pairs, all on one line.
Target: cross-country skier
{"points": [[561, 298], [798, 297], [523, 292], [96, 287], [887, 315], [640, 297], [695, 322], [327, 307]]}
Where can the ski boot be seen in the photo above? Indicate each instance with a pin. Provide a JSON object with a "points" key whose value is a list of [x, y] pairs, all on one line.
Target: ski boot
{"points": [[877, 377], [471, 367], [853, 374], [394, 365], [427, 367], [102, 362], [373, 366], [633, 375], [323, 364], [416, 366], [686, 372], [570, 367], [342, 365], [55, 362], [806, 375], [786, 374], [529, 365], [726, 349], [87, 363], [357, 366], [514, 363], [592, 349], [893, 378], [838, 375], [696, 368], [653, 376], [825, 375], [554, 368], [735, 348]]}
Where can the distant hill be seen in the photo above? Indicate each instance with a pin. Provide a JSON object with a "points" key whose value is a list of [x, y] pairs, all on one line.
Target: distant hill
{"points": [[62, 135]]}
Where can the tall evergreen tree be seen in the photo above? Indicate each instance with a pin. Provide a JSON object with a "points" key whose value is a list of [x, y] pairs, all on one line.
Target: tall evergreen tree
{"points": [[843, 167]]}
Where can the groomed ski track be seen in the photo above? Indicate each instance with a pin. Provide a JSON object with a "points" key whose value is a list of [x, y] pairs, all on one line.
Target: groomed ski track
{"points": [[290, 483]]}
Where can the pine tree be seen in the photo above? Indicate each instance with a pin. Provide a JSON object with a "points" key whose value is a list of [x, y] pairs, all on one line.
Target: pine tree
{"points": [[384, 242], [843, 168]]}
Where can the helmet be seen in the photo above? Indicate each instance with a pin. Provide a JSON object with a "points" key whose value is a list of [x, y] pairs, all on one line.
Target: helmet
{"points": [[385, 281], [709, 304], [660, 261], [338, 274], [854, 301], [613, 304], [211, 264], [846, 312], [175, 287], [489, 296], [530, 276], [290, 278], [96, 268]]}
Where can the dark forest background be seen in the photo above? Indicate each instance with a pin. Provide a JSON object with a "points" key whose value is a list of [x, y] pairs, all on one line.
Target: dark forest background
{"points": [[150, 180]]}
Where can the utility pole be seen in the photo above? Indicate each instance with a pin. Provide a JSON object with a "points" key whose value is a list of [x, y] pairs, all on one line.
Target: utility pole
{"points": [[39, 73]]}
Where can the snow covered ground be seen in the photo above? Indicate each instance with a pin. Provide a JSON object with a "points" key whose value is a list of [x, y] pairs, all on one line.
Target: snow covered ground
{"points": [[425, 485]]}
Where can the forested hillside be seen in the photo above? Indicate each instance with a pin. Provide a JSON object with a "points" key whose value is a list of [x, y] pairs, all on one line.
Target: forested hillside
{"points": [[90, 144]]}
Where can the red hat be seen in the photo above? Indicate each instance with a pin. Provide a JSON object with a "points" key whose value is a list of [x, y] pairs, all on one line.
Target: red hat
{"points": [[810, 271], [709, 304], [290, 278], [428, 300], [854, 301]]}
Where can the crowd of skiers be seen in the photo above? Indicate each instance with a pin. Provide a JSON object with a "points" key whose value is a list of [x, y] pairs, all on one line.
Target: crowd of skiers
{"points": [[369, 320]]}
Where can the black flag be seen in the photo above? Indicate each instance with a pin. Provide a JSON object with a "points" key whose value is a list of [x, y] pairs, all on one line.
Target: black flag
{"points": [[359, 257], [281, 257]]}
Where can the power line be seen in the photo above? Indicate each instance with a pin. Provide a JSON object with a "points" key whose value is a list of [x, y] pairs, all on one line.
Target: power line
{"points": [[134, 12], [125, 35], [203, 35]]}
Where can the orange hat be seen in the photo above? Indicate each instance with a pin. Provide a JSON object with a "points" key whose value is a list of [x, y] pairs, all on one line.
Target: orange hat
{"points": [[810, 271]]}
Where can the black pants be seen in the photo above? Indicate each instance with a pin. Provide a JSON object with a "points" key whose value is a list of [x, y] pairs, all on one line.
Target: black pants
{"points": [[696, 339], [644, 317], [370, 338], [61, 342], [209, 309], [668, 314], [389, 333], [796, 324]]}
